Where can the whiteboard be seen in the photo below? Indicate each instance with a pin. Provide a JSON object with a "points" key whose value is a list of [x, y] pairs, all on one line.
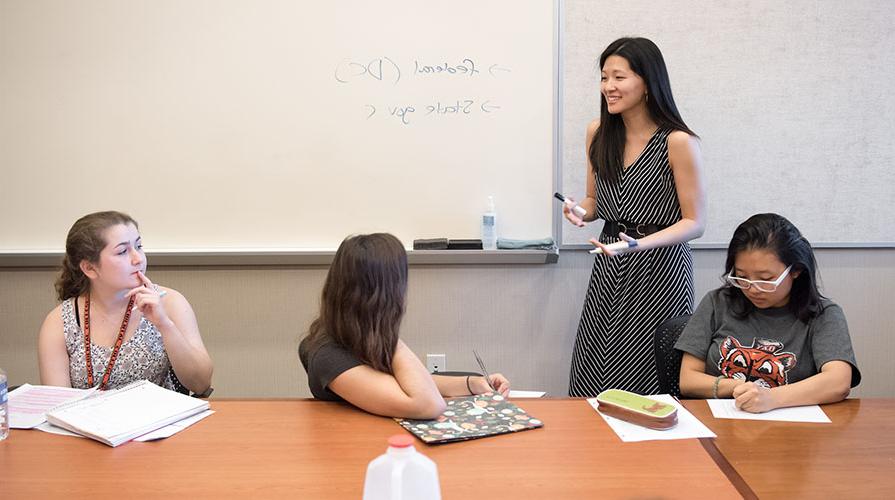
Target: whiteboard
{"points": [[276, 124], [794, 103]]}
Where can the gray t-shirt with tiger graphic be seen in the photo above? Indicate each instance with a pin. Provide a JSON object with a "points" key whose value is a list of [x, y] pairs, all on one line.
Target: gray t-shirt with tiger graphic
{"points": [[771, 346]]}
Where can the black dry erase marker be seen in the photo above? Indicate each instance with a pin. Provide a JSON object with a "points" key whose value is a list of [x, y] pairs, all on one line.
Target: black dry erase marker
{"points": [[580, 212]]}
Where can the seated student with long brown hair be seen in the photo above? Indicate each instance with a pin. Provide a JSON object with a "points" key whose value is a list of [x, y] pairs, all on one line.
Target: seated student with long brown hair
{"points": [[114, 326], [768, 338], [353, 351]]}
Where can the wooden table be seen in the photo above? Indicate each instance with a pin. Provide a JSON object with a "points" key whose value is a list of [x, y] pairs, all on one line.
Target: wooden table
{"points": [[853, 457], [311, 449]]}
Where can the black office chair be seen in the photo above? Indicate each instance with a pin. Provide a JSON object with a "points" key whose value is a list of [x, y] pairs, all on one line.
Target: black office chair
{"points": [[179, 387], [668, 359]]}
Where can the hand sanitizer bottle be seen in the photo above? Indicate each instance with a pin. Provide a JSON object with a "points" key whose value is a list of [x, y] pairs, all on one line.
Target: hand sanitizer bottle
{"points": [[489, 226]]}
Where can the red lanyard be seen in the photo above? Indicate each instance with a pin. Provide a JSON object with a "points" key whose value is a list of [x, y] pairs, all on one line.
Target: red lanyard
{"points": [[118, 342]]}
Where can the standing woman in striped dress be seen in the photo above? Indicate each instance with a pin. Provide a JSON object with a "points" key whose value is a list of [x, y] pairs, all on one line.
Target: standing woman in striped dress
{"points": [[644, 178]]}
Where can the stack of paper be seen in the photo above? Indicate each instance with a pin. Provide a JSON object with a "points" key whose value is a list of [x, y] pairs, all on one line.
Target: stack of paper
{"points": [[117, 416], [29, 404]]}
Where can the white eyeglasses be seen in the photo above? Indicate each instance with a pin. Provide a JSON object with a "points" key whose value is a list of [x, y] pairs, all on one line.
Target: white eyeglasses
{"points": [[761, 286]]}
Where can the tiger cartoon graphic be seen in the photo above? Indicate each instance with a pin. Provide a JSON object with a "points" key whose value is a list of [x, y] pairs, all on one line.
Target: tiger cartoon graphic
{"points": [[763, 363]]}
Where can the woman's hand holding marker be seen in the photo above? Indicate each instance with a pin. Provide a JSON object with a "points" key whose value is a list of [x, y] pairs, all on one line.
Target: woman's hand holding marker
{"points": [[628, 243], [572, 211]]}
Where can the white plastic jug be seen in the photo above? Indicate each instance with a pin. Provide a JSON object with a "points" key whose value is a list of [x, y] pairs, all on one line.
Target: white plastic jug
{"points": [[402, 473]]}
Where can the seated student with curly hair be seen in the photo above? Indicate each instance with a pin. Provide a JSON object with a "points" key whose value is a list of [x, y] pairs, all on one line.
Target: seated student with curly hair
{"points": [[115, 326]]}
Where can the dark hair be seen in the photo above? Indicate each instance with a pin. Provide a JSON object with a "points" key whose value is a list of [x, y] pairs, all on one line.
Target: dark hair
{"points": [[363, 299], [775, 233], [607, 148], [85, 242]]}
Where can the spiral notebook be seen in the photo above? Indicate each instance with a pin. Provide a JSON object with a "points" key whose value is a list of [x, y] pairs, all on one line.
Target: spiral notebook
{"points": [[472, 417], [117, 416]]}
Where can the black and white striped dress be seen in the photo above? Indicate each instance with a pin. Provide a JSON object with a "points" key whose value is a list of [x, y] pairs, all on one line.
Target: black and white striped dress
{"points": [[631, 294]]}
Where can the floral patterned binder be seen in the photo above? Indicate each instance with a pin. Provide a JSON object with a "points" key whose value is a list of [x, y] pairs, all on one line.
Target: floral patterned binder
{"points": [[472, 417]]}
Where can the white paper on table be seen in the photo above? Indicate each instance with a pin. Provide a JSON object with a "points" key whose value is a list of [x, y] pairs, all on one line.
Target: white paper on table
{"points": [[52, 429], [726, 408], [28, 404], [170, 430], [527, 394], [167, 431], [688, 426]]}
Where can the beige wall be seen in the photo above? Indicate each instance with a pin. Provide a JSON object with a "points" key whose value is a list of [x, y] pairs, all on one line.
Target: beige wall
{"points": [[521, 318]]}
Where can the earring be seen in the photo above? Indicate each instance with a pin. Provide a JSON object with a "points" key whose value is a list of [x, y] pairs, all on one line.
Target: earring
{"points": [[647, 96]]}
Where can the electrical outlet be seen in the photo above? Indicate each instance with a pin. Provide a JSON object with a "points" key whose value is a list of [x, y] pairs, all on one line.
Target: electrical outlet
{"points": [[435, 363]]}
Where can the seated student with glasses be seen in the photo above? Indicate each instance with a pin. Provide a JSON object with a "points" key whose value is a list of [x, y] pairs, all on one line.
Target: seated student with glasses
{"points": [[768, 338]]}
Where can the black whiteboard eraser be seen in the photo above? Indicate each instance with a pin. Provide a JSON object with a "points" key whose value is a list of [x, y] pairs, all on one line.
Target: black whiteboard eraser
{"points": [[431, 244], [464, 244]]}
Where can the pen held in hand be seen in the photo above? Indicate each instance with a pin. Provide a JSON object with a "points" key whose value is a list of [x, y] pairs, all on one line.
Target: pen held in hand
{"points": [[160, 295], [487, 376]]}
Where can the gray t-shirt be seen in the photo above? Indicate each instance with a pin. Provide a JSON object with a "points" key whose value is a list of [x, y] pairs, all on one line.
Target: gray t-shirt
{"points": [[771, 347], [323, 364]]}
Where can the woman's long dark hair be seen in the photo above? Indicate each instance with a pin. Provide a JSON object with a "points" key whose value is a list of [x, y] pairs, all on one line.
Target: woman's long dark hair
{"points": [[776, 234], [363, 299], [85, 242], [608, 146]]}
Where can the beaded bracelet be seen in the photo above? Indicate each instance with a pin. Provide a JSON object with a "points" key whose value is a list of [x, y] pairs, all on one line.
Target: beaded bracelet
{"points": [[715, 386]]}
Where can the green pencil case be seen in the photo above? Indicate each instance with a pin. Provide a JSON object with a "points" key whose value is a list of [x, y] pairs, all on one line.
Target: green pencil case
{"points": [[637, 409]]}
